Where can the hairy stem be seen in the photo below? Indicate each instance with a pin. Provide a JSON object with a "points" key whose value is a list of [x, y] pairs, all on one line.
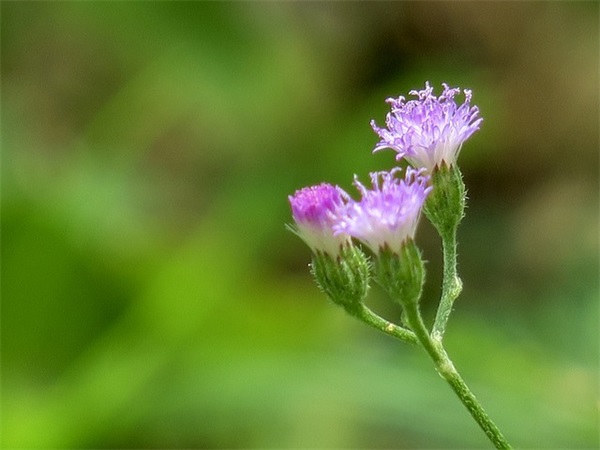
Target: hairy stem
{"points": [[372, 319], [451, 286], [446, 369]]}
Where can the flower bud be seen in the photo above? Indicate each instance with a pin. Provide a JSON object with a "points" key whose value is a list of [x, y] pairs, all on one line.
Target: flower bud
{"points": [[315, 209]]}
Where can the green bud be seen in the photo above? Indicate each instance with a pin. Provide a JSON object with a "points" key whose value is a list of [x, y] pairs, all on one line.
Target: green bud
{"points": [[344, 279], [401, 274], [445, 205]]}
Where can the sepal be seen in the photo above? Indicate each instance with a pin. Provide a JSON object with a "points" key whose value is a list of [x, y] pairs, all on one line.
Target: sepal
{"points": [[445, 205], [401, 274], [345, 278]]}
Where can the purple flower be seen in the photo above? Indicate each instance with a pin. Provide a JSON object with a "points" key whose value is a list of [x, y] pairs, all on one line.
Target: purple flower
{"points": [[386, 216], [315, 209], [430, 130]]}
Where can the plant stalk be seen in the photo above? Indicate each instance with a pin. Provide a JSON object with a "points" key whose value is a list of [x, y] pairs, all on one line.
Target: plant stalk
{"points": [[446, 369], [451, 286], [387, 327]]}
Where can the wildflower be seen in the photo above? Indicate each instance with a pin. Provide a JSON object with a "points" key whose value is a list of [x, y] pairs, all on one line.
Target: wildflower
{"points": [[386, 217], [340, 269], [429, 131], [315, 209]]}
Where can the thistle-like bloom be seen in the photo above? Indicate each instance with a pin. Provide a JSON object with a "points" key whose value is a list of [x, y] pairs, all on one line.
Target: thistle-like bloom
{"points": [[431, 130], [386, 216], [315, 209]]}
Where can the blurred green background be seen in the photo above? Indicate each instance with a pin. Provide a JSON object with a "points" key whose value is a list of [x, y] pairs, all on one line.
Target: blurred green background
{"points": [[151, 296]]}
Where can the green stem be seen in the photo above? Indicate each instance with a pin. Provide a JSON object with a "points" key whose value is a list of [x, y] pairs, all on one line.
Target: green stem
{"points": [[372, 319], [451, 286], [446, 369]]}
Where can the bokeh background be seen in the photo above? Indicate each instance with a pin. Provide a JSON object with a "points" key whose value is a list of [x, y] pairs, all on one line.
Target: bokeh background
{"points": [[151, 296]]}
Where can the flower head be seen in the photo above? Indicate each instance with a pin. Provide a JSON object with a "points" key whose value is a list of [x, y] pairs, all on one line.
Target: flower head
{"points": [[430, 130], [387, 215], [315, 209]]}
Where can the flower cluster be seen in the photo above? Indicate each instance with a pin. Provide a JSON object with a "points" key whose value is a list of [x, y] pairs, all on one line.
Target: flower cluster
{"points": [[428, 133], [384, 218], [431, 130]]}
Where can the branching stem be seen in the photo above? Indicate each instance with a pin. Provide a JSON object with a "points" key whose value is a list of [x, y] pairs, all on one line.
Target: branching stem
{"points": [[446, 369], [389, 328]]}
